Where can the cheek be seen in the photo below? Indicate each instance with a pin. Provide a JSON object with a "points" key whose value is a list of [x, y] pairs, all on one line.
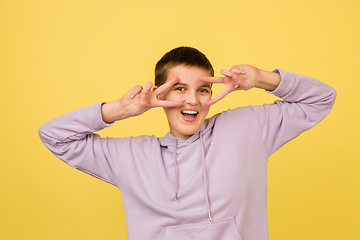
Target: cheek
{"points": [[174, 97], [171, 112], [204, 102], [206, 109]]}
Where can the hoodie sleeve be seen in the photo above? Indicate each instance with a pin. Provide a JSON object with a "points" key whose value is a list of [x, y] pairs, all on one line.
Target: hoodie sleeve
{"points": [[306, 101], [70, 137]]}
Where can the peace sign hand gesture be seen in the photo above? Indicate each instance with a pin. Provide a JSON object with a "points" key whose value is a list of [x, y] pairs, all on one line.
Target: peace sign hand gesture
{"points": [[239, 77], [137, 101]]}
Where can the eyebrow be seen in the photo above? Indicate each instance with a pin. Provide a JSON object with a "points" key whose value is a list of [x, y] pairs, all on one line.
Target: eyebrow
{"points": [[184, 84]]}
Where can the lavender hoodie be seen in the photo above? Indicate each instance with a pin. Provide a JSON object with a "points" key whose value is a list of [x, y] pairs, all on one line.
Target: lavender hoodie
{"points": [[211, 186]]}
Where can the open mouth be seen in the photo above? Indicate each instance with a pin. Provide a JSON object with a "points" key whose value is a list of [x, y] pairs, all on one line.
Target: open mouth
{"points": [[189, 115]]}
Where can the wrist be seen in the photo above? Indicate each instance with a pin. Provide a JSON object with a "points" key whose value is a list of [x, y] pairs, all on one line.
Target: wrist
{"points": [[112, 112], [268, 80]]}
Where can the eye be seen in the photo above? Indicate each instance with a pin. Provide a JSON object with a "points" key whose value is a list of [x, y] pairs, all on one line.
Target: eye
{"points": [[203, 90], [179, 89]]}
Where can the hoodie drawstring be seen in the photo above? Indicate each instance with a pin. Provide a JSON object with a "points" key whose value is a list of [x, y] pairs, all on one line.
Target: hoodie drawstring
{"points": [[205, 177], [176, 185], [176, 172]]}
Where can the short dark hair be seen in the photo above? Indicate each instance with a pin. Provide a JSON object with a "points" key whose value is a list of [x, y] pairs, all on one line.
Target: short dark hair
{"points": [[187, 56]]}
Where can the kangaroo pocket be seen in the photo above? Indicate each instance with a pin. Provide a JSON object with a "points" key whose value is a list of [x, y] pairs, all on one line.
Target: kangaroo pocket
{"points": [[224, 230]]}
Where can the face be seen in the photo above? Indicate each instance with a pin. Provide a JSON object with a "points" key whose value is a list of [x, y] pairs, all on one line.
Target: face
{"points": [[187, 119]]}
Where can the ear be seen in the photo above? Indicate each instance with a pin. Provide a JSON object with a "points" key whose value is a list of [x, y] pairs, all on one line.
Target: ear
{"points": [[154, 88]]}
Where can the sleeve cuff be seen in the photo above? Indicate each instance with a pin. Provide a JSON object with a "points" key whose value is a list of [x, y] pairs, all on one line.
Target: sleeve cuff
{"points": [[94, 117], [286, 84]]}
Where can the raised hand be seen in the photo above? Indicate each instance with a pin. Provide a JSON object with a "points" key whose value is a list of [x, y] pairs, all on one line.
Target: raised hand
{"points": [[239, 77], [137, 101]]}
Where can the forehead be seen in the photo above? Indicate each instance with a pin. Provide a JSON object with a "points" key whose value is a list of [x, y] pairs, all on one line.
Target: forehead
{"points": [[187, 74]]}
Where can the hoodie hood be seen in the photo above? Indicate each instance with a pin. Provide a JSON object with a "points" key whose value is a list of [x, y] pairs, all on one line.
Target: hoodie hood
{"points": [[173, 144], [169, 140]]}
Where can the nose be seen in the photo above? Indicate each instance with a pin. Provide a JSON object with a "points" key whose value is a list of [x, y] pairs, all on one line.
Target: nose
{"points": [[191, 98]]}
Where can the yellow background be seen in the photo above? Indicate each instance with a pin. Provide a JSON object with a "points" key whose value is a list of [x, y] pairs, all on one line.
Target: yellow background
{"points": [[56, 56]]}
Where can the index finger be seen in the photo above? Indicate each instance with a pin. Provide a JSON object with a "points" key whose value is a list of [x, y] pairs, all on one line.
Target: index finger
{"points": [[219, 96], [212, 79], [165, 103], [166, 85]]}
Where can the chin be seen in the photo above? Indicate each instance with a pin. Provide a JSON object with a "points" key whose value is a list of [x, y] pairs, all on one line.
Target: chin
{"points": [[190, 132]]}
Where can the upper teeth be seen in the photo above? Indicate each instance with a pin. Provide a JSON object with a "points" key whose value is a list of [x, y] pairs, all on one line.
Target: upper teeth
{"points": [[189, 112]]}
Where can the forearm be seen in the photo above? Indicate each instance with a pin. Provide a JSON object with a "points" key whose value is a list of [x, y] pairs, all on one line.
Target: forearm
{"points": [[113, 111], [72, 126], [71, 138], [305, 90], [268, 80], [306, 101]]}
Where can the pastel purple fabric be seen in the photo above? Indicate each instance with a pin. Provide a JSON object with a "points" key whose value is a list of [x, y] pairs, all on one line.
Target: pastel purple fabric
{"points": [[211, 186]]}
